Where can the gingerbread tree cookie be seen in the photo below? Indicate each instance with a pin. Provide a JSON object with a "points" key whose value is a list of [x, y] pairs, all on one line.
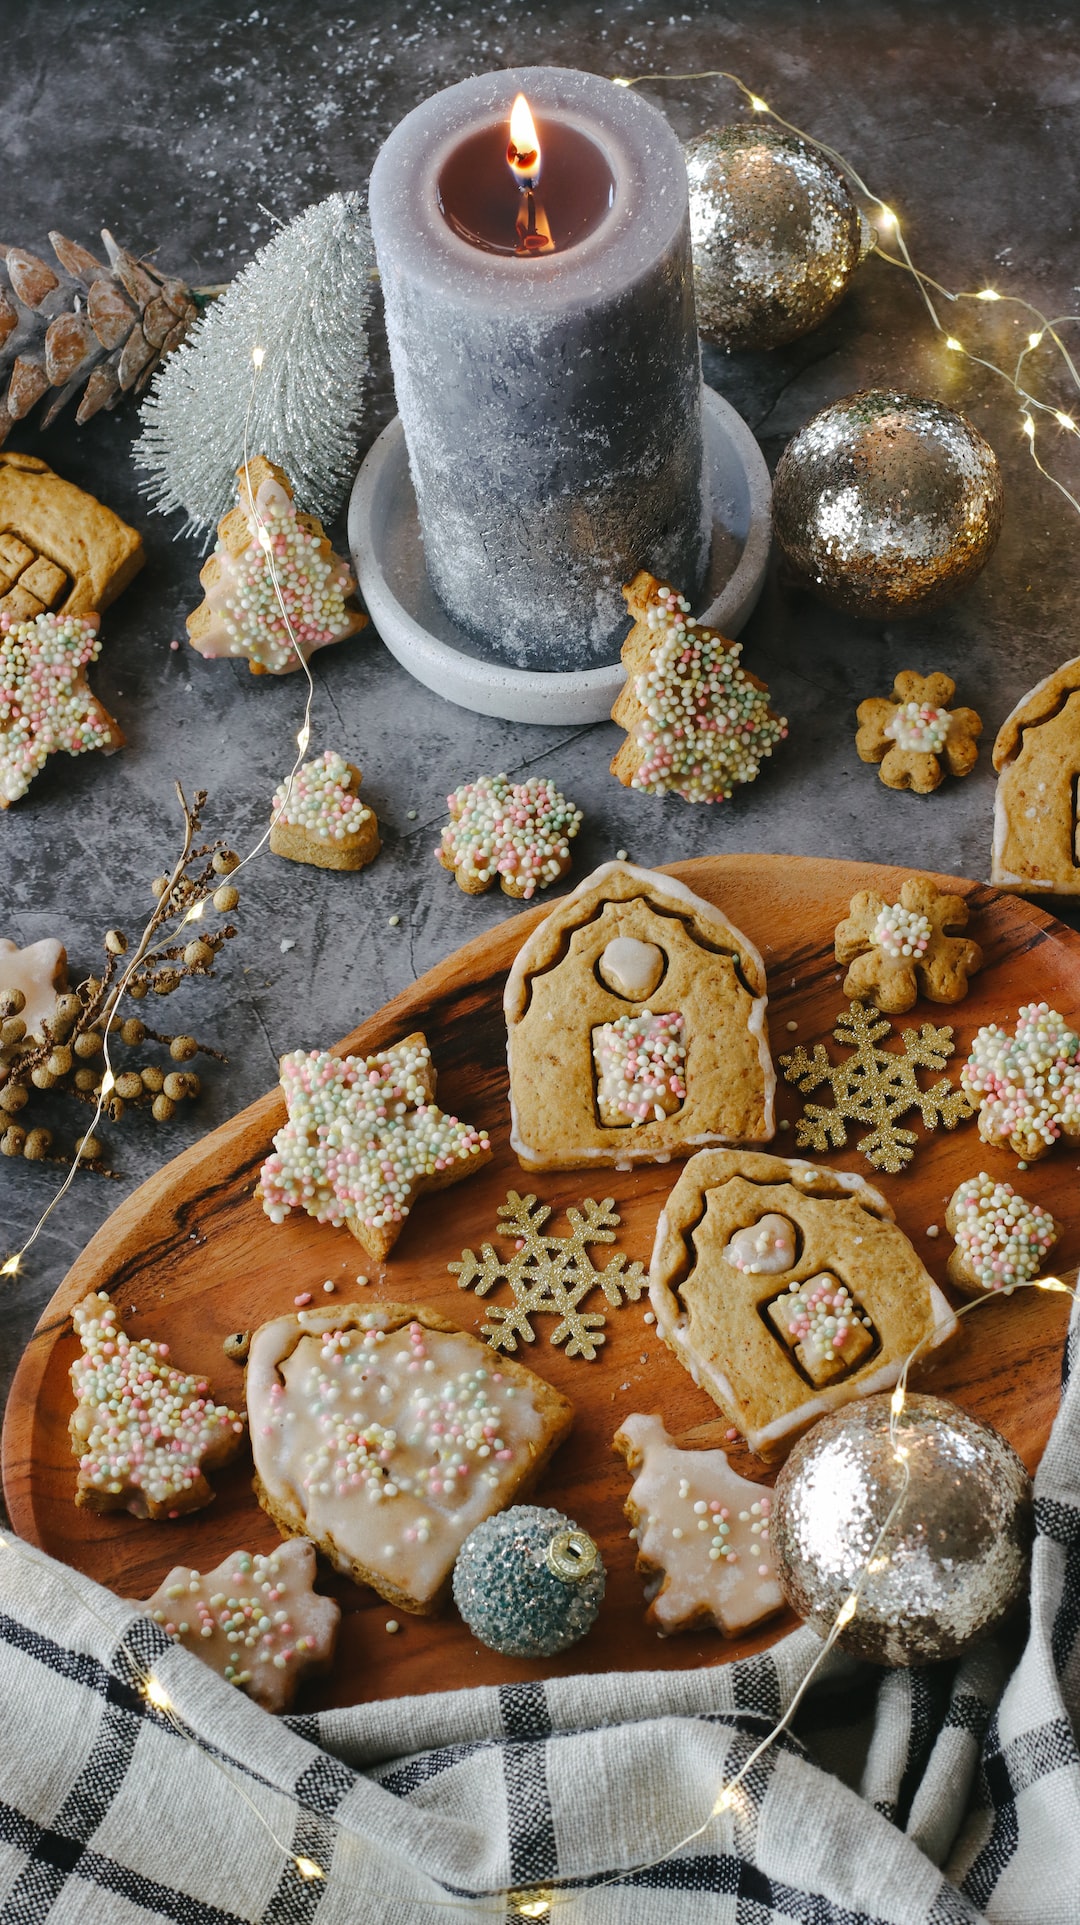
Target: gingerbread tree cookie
{"points": [[364, 1138], [916, 736], [1037, 755], [899, 950], [702, 1534], [268, 553], [47, 706], [697, 724], [256, 1621], [1027, 1085], [319, 817], [145, 1433], [1000, 1239], [518, 832]]}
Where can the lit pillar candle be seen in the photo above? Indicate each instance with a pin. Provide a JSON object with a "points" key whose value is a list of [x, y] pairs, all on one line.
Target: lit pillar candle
{"points": [[550, 394]]}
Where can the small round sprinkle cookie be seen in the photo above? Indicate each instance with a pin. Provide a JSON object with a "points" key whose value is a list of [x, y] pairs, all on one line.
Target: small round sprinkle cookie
{"points": [[1028, 1085], [515, 833], [1001, 1240], [319, 817]]}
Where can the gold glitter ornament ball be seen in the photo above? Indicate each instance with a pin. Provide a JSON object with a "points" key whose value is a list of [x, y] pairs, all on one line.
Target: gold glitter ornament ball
{"points": [[955, 1560], [886, 504], [774, 232]]}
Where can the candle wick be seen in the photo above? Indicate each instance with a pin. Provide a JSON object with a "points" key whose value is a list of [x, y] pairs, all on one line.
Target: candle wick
{"points": [[533, 232]]}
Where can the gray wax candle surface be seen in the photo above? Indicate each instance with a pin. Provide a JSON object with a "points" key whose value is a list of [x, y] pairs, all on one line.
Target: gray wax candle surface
{"points": [[551, 406]]}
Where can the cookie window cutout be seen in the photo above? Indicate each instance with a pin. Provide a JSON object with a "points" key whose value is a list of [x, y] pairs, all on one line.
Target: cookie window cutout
{"points": [[897, 951], [765, 1248], [1036, 845], [916, 737], [768, 1353], [1027, 1085], [593, 1082]]}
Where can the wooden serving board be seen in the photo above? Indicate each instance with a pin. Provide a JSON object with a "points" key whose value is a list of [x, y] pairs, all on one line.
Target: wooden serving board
{"points": [[190, 1257]]}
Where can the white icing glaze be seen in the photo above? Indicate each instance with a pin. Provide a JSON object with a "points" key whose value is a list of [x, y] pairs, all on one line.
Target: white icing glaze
{"points": [[40, 971], [392, 1445], [632, 968], [688, 1504], [764, 1248]]}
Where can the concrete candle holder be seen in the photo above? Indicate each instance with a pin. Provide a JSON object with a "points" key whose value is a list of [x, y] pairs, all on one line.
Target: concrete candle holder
{"points": [[388, 556]]}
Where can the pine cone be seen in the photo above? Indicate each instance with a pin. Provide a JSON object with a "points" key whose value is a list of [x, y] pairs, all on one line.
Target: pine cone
{"points": [[99, 329]]}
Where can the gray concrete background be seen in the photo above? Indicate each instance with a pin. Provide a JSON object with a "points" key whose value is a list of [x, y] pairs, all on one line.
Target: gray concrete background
{"points": [[177, 127]]}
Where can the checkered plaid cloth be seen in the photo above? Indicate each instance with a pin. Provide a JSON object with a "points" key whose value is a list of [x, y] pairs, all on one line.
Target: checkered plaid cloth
{"points": [[904, 1798]]}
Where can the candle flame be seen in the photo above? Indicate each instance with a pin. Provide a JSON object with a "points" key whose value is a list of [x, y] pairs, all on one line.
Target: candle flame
{"points": [[523, 150]]}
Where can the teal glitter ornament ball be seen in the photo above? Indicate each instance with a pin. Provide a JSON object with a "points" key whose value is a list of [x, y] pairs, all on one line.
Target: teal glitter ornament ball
{"points": [[528, 1582]]}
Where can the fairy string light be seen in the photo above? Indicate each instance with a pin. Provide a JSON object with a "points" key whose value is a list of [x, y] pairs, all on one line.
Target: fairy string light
{"points": [[885, 217]]}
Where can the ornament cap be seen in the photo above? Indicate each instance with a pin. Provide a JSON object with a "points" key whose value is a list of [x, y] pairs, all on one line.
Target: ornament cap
{"points": [[571, 1555]]}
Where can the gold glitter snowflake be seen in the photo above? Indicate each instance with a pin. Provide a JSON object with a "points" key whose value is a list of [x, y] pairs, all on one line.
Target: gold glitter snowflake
{"points": [[550, 1275], [877, 1086]]}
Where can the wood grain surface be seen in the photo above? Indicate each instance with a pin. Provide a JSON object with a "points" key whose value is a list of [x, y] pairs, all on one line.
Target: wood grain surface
{"points": [[190, 1257]]}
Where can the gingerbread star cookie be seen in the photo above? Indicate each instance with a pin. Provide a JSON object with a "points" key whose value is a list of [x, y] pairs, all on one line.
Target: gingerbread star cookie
{"points": [[1028, 1085], [697, 723], [517, 832], [702, 1534], [319, 817], [897, 950], [786, 1290], [916, 736], [39, 974], [1000, 1239], [145, 1433], [256, 1621], [46, 704], [363, 1139], [268, 554]]}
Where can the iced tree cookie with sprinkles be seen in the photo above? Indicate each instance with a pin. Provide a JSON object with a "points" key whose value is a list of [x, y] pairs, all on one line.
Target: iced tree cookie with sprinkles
{"points": [[267, 554], [363, 1140], [386, 1435], [319, 818], [702, 1534], [515, 833], [1027, 1085], [144, 1432], [697, 723], [257, 1621], [1001, 1240], [915, 736], [47, 706], [897, 951]]}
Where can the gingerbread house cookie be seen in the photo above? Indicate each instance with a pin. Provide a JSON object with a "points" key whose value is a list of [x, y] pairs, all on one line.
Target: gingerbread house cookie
{"points": [[636, 1020], [1037, 756], [786, 1290], [60, 550], [385, 1434]]}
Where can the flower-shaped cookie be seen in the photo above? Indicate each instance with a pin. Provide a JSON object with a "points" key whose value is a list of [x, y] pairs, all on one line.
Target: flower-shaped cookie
{"points": [[1028, 1084], [1000, 1239], [519, 832], [915, 735], [897, 950]]}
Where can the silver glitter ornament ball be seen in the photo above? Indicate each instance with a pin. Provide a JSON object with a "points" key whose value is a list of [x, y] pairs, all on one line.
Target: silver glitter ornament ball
{"points": [[886, 504], [775, 235], [955, 1560], [528, 1582]]}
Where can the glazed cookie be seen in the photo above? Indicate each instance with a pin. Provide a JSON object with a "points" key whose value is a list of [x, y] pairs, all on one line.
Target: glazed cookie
{"points": [[59, 548], [38, 974], [47, 706], [899, 950], [145, 1433], [1000, 1240], [697, 724], [828, 1311], [386, 1435], [916, 736], [254, 1620], [636, 1021], [266, 553], [702, 1534], [1037, 755], [1027, 1085], [518, 832], [363, 1139], [319, 817]]}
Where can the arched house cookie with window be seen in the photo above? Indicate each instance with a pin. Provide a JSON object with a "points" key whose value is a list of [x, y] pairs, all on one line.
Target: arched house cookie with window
{"points": [[1036, 814], [636, 1019]]}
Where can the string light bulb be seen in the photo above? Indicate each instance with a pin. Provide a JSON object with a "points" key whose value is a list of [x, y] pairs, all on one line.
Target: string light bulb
{"points": [[12, 1266], [258, 356], [308, 1868], [157, 1694], [759, 106], [952, 342], [988, 294], [847, 1611], [1034, 340]]}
